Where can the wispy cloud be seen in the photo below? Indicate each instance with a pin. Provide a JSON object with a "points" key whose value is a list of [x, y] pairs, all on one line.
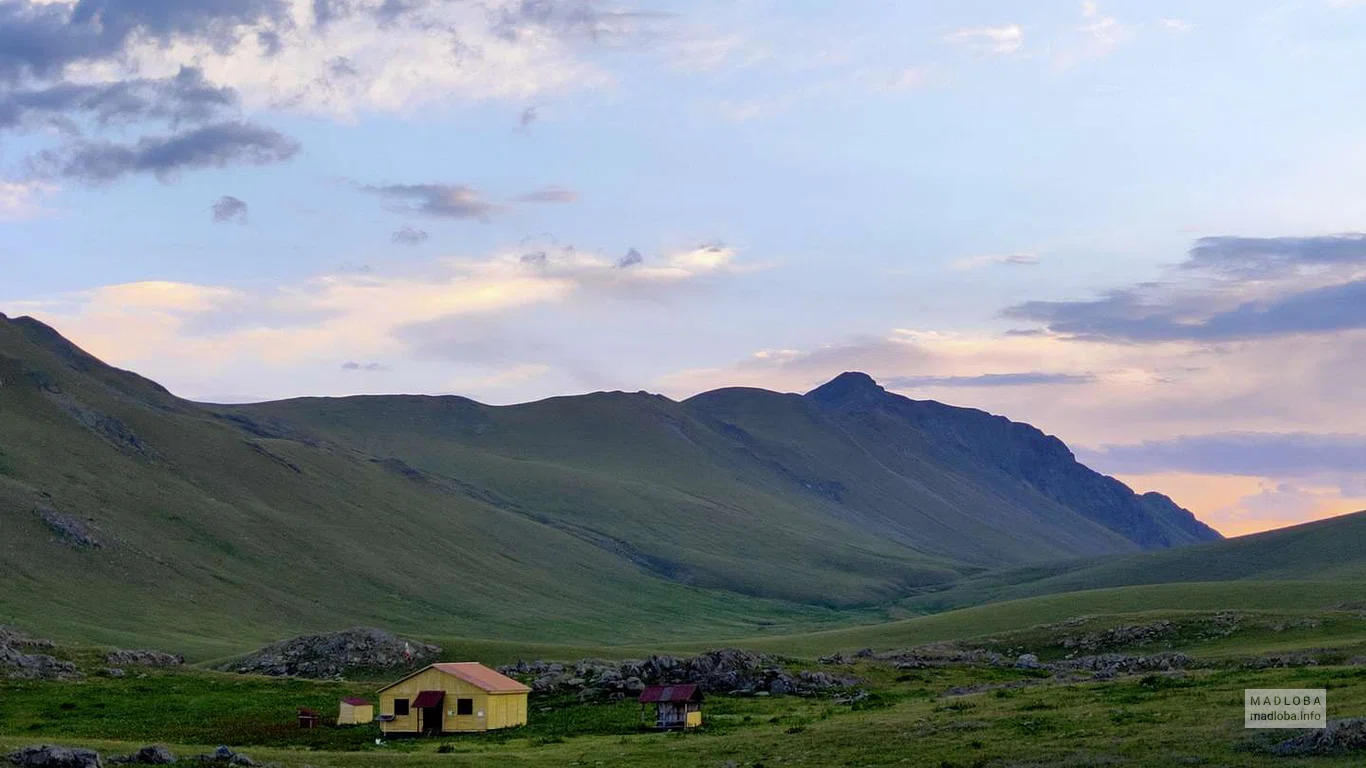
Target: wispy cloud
{"points": [[20, 199], [447, 201], [1001, 40], [998, 259]]}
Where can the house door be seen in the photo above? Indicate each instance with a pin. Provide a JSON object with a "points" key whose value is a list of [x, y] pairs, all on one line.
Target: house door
{"points": [[431, 719]]}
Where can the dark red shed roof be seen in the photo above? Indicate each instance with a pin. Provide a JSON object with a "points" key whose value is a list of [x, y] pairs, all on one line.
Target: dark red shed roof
{"points": [[429, 698], [356, 701], [658, 693]]}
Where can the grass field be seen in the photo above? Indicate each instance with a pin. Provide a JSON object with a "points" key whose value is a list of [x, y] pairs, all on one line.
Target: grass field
{"points": [[933, 717]]}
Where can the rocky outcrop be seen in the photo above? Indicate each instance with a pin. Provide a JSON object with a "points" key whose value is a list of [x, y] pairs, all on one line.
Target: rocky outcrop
{"points": [[1340, 737], [335, 654], [16, 661], [151, 755], [45, 756], [722, 671], [143, 658]]}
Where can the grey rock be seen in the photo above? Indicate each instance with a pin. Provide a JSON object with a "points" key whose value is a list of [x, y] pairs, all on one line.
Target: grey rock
{"points": [[114, 672], [335, 654], [150, 755], [143, 658], [1028, 661], [45, 756], [1341, 736]]}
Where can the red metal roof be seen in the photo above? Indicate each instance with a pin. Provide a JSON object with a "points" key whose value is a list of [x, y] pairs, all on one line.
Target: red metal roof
{"points": [[356, 701], [478, 675], [429, 698], [658, 693]]}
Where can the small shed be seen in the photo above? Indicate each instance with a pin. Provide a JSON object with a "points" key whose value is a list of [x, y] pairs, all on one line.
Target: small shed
{"points": [[308, 718], [675, 706], [355, 711], [452, 698]]}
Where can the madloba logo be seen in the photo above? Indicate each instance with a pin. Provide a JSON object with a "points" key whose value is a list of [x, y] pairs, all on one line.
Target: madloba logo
{"points": [[1285, 708]]}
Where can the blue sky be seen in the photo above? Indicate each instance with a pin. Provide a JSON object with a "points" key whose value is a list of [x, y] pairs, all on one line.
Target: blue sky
{"points": [[1128, 223]]}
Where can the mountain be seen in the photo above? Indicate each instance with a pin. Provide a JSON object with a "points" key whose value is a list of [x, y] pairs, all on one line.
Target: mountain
{"points": [[133, 515]]}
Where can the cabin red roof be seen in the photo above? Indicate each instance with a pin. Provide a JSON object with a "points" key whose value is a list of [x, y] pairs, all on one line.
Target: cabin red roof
{"points": [[429, 699], [356, 701], [658, 693], [478, 675]]}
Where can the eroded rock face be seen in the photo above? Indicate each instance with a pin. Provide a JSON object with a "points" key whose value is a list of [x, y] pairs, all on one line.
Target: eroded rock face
{"points": [[45, 756], [151, 755], [334, 654], [722, 671]]}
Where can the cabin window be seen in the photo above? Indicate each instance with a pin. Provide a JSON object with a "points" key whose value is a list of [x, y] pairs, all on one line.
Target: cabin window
{"points": [[400, 707], [464, 706]]}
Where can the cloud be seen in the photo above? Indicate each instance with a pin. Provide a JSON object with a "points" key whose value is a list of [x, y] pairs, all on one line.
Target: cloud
{"points": [[19, 199], [228, 208], [1096, 37], [1002, 259], [551, 194], [211, 146], [1178, 25], [185, 97], [1228, 289], [410, 236], [631, 259], [988, 380], [1001, 40], [447, 201], [41, 40], [1252, 454], [366, 367]]}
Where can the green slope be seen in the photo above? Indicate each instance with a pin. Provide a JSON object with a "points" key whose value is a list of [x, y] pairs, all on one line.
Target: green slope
{"points": [[130, 516], [1325, 550]]}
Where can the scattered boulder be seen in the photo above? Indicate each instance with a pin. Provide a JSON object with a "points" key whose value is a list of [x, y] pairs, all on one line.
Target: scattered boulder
{"points": [[142, 658], [335, 654], [114, 672], [17, 663], [1341, 736], [46, 756], [1126, 636], [224, 755], [721, 671], [150, 755], [1028, 661], [1110, 665]]}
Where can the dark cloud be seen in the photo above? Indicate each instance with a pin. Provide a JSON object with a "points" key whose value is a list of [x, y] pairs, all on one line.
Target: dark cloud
{"points": [[536, 258], [1270, 256], [448, 201], [410, 236], [551, 194], [183, 98], [1304, 285], [585, 19], [42, 40], [228, 208], [989, 380], [1252, 454], [631, 259], [211, 146], [366, 367]]}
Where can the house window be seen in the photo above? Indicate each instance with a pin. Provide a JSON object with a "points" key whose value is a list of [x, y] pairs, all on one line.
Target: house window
{"points": [[400, 707], [464, 706]]}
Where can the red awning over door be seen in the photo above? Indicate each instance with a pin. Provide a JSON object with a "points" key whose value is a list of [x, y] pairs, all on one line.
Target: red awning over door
{"points": [[429, 699]]}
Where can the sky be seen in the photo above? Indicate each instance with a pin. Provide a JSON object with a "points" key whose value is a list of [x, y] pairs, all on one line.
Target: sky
{"points": [[1132, 224]]}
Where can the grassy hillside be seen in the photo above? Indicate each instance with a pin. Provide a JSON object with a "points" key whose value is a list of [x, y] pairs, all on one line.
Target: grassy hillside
{"points": [[1325, 550]]}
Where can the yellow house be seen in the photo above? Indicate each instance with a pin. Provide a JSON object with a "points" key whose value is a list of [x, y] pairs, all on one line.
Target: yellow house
{"points": [[460, 697], [355, 711]]}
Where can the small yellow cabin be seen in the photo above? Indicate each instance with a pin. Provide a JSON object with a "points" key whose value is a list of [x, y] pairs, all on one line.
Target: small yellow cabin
{"points": [[355, 711], [464, 697]]}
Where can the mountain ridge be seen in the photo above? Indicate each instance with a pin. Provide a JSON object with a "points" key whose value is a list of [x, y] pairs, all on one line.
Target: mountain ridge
{"points": [[728, 512]]}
